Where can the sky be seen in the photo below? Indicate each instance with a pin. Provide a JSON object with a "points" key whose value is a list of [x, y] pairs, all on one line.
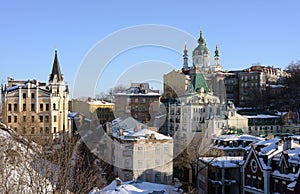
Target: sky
{"points": [[247, 32]]}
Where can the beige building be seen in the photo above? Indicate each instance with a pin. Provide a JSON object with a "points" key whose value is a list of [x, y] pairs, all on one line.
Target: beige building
{"points": [[33, 109], [235, 120], [93, 109], [140, 153]]}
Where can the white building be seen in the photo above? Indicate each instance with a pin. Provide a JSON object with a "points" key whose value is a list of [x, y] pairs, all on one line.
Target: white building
{"points": [[141, 153]]}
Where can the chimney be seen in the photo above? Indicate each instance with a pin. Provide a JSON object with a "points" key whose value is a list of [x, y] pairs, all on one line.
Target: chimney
{"points": [[152, 136], [118, 182], [287, 144]]}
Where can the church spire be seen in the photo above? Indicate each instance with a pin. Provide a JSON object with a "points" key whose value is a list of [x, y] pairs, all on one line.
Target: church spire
{"points": [[217, 51], [185, 58], [56, 70], [201, 40]]}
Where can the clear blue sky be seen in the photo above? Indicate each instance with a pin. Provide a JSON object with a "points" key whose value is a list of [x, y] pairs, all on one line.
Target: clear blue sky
{"points": [[247, 32]]}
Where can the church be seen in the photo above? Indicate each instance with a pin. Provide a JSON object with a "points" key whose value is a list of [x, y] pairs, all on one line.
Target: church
{"points": [[178, 83]]}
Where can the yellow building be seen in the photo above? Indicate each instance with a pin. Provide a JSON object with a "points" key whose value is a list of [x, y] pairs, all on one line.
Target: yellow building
{"points": [[94, 109], [36, 109]]}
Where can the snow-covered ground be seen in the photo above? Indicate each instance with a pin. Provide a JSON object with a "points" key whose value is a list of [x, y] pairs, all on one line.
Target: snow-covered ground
{"points": [[19, 165]]}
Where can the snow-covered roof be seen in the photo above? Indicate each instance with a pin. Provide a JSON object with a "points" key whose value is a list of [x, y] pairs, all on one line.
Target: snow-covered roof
{"points": [[223, 162], [100, 102], [138, 134], [136, 187], [138, 94], [239, 137], [260, 116]]}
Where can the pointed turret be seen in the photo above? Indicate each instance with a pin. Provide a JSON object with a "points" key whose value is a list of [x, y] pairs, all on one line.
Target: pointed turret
{"points": [[56, 70], [185, 58], [217, 58], [217, 51]]}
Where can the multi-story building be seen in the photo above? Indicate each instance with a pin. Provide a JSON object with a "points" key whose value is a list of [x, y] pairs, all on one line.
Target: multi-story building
{"points": [[93, 109], [257, 86], [272, 166], [36, 109], [140, 153], [219, 175], [232, 145], [139, 102], [262, 122]]}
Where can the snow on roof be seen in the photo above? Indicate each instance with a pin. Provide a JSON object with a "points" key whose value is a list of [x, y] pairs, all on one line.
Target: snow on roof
{"points": [[239, 137], [136, 187], [260, 116], [14, 87], [131, 134], [269, 146], [72, 114], [100, 102], [223, 162], [138, 94], [292, 185]]}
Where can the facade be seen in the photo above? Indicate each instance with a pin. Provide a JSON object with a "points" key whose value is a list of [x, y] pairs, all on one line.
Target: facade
{"points": [[232, 145], [139, 102], [255, 86], [219, 175], [195, 113], [178, 83], [94, 109], [140, 153], [272, 166], [262, 123], [36, 109]]}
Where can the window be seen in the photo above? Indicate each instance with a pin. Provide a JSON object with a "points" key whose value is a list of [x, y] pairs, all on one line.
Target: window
{"points": [[54, 106], [157, 150], [9, 107], [140, 163], [54, 129], [16, 129], [32, 95], [15, 107], [157, 163], [166, 150], [136, 100], [32, 130], [24, 118], [143, 100], [15, 119], [41, 130], [41, 107], [47, 107], [24, 130], [55, 118], [140, 150], [32, 118], [24, 107], [157, 178], [47, 130], [9, 119], [24, 95], [41, 118], [47, 119], [32, 107]]}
